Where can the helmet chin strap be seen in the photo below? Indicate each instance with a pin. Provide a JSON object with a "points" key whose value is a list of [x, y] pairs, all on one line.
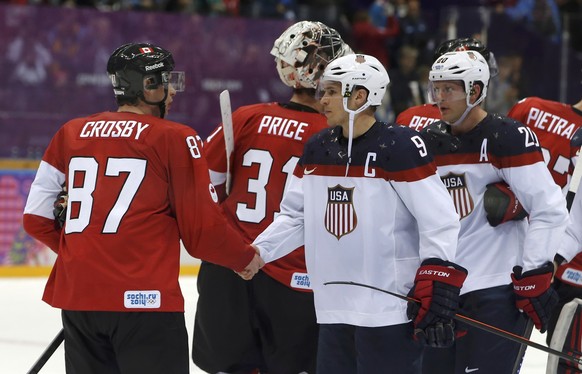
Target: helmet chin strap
{"points": [[161, 104], [352, 115], [466, 112]]}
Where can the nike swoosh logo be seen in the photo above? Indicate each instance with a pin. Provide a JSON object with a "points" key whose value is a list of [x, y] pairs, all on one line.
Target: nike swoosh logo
{"points": [[467, 370], [307, 172]]}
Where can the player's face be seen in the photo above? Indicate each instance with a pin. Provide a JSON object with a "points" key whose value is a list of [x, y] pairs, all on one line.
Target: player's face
{"points": [[156, 95], [451, 98], [332, 102]]}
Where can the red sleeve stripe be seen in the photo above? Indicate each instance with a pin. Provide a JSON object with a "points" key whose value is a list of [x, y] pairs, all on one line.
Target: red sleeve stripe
{"points": [[407, 175], [523, 159]]}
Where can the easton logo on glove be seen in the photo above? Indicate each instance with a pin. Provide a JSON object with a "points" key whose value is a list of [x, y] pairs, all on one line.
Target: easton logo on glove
{"points": [[534, 294], [436, 287], [501, 204]]}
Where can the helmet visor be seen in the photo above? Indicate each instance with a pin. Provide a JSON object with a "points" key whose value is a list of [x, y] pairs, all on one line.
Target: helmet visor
{"points": [[176, 79], [446, 91]]}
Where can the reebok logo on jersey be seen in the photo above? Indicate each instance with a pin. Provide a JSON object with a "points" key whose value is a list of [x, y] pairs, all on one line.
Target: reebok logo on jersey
{"points": [[340, 215], [142, 299], [300, 280]]}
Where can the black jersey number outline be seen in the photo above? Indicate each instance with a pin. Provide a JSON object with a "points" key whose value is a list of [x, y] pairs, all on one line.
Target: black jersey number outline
{"points": [[257, 186], [83, 194]]}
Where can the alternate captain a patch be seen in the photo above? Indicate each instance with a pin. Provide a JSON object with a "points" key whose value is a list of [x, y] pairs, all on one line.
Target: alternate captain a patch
{"points": [[457, 187], [340, 215]]}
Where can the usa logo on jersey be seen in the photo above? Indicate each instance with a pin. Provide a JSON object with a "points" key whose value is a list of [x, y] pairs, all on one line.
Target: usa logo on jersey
{"points": [[457, 187], [340, 215]]}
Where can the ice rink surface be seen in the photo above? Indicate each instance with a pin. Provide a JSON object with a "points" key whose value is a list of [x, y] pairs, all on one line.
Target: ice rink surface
{"points": [[28, 325]]}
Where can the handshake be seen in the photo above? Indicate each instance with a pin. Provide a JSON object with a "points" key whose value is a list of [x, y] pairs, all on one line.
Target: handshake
{"points": [[253, 267]]}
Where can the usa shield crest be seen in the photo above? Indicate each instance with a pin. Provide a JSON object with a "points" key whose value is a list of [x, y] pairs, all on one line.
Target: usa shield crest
{"points": [[340, 215], [457, 186]]}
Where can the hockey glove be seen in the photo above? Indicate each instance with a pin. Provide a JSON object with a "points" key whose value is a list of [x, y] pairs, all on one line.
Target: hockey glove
{"points": [[501, 204], [535, 295], [436, 286], [60, 207]]}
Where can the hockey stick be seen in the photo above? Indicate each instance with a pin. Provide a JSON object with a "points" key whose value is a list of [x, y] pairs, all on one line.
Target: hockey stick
{"points": [[561, 333], [521, 354], [226, 114], [477, 324], [574, 183], [48, 352]]}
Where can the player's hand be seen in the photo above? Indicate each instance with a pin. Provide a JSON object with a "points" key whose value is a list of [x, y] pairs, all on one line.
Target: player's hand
{"points": [[534, 293], [252, 268], [437, 286], [60, 207]]}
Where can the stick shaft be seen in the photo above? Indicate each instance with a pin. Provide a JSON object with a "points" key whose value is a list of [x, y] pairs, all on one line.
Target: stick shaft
{"points": [[226, 114], [477, 324], [48, 352]]}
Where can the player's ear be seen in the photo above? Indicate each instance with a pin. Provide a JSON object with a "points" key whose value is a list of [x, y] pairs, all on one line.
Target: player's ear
{"points": [[361, 94], [475, 92]]}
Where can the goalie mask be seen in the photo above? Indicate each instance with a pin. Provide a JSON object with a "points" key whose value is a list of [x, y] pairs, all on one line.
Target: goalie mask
{"points": [[468, 44], [304, 50], [132, 64]]}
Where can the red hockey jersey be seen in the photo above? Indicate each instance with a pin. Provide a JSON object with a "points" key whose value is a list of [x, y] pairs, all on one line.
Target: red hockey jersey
{"points": [[268, 141], [137, 184], [555, 124], [420, 116]]}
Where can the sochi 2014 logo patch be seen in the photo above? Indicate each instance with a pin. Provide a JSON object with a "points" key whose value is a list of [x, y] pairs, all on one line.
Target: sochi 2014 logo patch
{"points": [[340, 215], [142, 299]]}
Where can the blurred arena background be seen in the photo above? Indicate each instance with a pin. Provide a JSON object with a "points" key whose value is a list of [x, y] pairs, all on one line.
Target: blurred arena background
{"points": [[53, 55]]}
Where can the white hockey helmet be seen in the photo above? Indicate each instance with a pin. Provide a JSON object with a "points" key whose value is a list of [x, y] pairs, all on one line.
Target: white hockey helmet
{"points": [[467, 66], [362, 71], [303, 51], [353, 71]]}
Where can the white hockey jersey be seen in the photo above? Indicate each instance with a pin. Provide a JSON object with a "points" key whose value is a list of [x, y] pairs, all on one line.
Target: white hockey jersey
{"points": [[373, 225], [498, 149]]}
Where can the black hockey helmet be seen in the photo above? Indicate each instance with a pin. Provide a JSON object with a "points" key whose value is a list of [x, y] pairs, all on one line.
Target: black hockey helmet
{"points": [[131, 63], [468, 44]]}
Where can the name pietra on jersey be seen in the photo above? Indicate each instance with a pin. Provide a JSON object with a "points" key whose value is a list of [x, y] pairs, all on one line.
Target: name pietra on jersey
{"points": [[555, 124]]}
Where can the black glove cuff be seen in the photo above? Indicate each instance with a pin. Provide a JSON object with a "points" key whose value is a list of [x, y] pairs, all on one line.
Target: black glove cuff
{"points": [[548, 267]]}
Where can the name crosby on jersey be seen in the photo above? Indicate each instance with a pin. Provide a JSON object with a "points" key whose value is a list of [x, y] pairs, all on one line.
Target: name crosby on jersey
{"points": [[113, 129], [288, 128]]}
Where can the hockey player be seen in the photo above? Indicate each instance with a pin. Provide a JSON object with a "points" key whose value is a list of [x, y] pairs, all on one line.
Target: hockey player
{"points": [[510, 265], [137, 184], [420, 116], [555, 125], [366, 202], [568, 286], [269, 322]]}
